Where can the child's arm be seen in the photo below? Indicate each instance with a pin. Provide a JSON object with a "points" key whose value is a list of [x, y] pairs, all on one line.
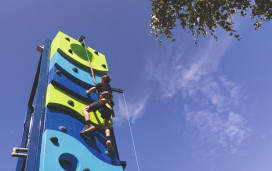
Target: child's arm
{"points": [[88, 92]]}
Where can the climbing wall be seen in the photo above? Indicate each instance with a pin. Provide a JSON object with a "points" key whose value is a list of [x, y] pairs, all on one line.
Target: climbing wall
{"points": [[69, 76]]}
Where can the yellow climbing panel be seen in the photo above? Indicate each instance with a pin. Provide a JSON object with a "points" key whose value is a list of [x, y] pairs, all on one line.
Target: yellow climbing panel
{"points": [[58, 98], [73, 51]]}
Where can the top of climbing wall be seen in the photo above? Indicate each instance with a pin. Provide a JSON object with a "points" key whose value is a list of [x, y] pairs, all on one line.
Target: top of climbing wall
{"points": [[73, 51]]}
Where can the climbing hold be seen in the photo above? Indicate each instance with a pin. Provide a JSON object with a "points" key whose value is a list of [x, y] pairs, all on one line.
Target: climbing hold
{"points": [[104, 66], [54, 140], [58, 72], [86, 169], [67, 38], [70, 102], [107, 153], [75, 69], [109, 150], [63, 129], [70, 50], [96, 53]]}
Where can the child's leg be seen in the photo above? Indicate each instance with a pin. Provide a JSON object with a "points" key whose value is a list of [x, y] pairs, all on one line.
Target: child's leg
{"points": [[92, 107], [107, 131], [88, 124], [85, 112]]}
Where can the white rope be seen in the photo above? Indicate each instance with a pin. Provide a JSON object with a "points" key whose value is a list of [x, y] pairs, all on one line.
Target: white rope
{"points": [[131, 133]]}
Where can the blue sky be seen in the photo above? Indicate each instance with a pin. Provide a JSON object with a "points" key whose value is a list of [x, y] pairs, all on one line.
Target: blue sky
{"points": [[192, 108]]}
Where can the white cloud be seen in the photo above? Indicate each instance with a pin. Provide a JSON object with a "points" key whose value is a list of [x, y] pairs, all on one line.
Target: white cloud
{"points": [[136, 108], [210, 98], [216, 129]]}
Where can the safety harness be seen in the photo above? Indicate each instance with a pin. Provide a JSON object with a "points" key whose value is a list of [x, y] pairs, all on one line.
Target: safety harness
{"points": [[105, 96]]}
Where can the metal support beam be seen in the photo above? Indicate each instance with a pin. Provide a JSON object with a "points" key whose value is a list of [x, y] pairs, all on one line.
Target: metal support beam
{"points": [[31, 163]]}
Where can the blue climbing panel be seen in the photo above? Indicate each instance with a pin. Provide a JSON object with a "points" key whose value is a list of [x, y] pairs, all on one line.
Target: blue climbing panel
{"points": [[69, 154], [74, 72], [93, 141]]}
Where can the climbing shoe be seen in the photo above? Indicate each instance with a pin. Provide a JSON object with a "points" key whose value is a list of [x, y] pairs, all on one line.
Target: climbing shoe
{"points": [[87, 128]]}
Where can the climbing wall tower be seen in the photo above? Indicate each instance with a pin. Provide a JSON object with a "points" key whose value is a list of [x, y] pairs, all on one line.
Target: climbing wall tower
{"points": [[51, 138]]}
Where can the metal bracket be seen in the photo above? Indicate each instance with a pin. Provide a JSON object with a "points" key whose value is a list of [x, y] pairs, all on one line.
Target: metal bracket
{"points": [[123, 164], [39, 48], [118, 90], [15, 151]]}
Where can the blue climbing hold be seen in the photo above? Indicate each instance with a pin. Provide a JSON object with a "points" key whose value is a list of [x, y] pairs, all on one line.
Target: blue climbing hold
{"points": [[63, 129]]}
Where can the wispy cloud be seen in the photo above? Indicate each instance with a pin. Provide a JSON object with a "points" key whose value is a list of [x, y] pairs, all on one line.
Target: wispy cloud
{"points": [[210, 98], [228, 131], [176, 71], [136, 108]]}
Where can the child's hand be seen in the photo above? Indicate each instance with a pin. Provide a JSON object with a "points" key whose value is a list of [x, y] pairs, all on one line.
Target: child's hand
{"points": [[87, 92]]}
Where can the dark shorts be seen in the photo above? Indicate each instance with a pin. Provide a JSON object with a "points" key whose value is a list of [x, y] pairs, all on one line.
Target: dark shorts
{"points": [[100, 105]]}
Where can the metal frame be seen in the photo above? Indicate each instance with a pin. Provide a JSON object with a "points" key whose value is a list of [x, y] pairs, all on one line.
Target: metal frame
{"points": [[36, 113]]}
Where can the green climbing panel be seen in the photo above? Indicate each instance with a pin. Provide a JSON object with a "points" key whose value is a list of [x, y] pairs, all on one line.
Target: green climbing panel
{"points": [[58, 98], [73, 51]]}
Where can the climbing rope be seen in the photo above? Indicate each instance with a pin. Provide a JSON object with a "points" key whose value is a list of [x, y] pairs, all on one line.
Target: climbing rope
{"points": [[131, 133], [89, 62]]}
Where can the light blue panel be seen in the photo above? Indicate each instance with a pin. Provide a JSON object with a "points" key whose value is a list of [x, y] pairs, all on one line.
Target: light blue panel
{"points": [[62, 81], [95, 141], [81, 75], [78, 156]]}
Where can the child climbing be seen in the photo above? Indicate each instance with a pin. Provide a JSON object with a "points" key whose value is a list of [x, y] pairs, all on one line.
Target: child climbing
{"points": [[104, 105]]}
